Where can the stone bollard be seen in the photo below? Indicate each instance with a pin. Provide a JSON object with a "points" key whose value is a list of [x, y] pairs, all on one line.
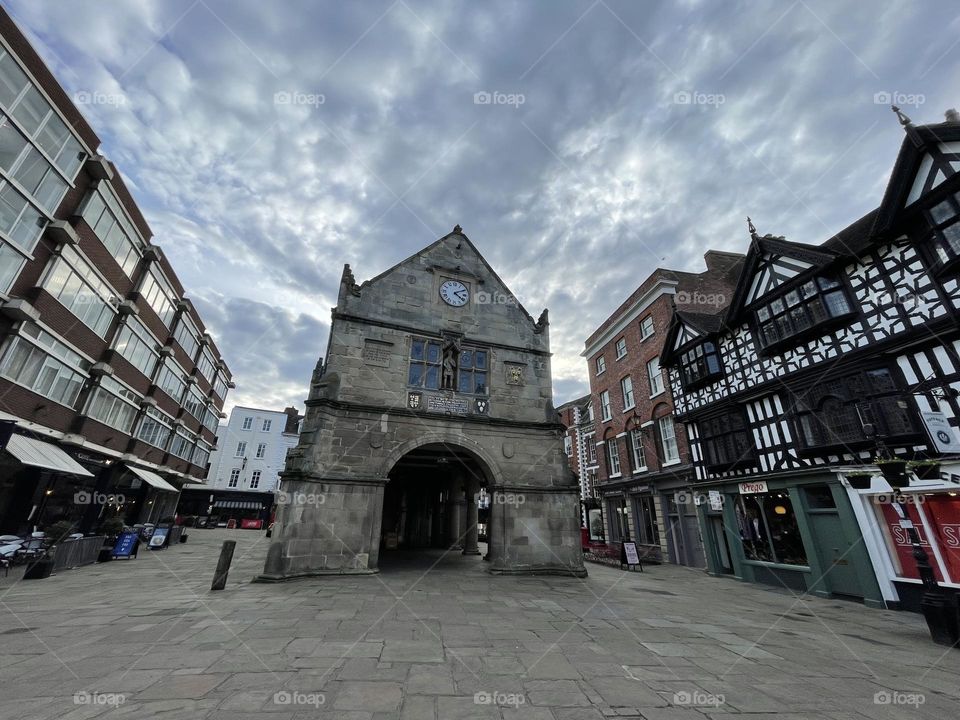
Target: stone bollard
{"points": [[223, 565]]}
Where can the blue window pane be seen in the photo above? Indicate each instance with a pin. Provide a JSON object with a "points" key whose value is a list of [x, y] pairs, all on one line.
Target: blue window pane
{"points": [[433, 352], [481, 359], [466, 380], [416, 350], [433, 377], [480, 382], [466, 359], [416, 375]]}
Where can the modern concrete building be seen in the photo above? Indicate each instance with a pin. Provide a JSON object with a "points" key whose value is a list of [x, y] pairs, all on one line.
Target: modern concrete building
{"points": [[435, 384], [110, 386]]}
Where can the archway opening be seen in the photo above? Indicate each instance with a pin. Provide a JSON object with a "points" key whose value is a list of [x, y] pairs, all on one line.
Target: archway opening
{"points": [[435, 509]]}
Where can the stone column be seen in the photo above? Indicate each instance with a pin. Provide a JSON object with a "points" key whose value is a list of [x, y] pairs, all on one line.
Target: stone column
{"points": [[470, 546], [453, 521]]}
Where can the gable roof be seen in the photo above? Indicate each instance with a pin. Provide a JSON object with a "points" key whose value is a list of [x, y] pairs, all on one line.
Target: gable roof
{"points": [[928, 155], [460, 234], [772, 261]]}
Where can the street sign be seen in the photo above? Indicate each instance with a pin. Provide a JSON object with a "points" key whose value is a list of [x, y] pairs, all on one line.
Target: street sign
{"points": [[126, 545]]}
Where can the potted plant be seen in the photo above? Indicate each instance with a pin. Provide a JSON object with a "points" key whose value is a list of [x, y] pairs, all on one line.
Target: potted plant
{"points": [[860, 480], [925, 469], [111, 529], [894, 471], [60, 531]]}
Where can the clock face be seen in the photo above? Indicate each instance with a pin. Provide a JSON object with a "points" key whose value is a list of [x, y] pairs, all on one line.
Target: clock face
{"points": [[454, 292]]}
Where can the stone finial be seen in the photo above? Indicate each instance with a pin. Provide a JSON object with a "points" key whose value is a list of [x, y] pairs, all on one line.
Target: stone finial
{"points": [[457, 229], [901, 116], [543, 321], [348, 280], [751, 229], [952, 116]]}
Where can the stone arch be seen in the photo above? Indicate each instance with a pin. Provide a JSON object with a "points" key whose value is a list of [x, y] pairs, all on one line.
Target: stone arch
{"points": [[453, 439]]}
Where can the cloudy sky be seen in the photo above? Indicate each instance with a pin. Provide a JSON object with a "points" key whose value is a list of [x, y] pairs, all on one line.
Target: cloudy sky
{"points": [[269, 143]]}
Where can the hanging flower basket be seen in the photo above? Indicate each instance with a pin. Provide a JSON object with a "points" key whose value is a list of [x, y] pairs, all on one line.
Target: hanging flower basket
{"points": [[860, 481], [894, 471], [926, 469]]}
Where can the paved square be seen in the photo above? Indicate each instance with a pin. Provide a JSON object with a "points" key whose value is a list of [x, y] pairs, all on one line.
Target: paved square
{"points": [[434, 637]]}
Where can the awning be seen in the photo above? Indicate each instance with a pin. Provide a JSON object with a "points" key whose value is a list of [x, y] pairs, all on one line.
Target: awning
{"points": [[44, 455], [152, 478], [237, 505]]}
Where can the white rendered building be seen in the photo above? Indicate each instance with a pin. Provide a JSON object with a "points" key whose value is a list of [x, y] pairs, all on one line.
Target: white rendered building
{"points": [[251, 449]]}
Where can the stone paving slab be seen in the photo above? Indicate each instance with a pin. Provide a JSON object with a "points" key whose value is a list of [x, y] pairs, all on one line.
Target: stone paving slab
{"points": [[146, 638]]}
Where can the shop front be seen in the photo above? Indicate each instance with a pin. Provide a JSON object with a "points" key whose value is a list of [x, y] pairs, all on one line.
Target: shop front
{"points": [[203, 506], [933, 506], [797, 532]]}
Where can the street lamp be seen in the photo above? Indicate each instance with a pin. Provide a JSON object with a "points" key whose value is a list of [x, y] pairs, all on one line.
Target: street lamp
{"points": [[939, 610]]}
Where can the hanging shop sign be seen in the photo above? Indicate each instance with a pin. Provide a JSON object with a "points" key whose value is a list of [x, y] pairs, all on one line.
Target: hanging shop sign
{"points": [[942, 436]]}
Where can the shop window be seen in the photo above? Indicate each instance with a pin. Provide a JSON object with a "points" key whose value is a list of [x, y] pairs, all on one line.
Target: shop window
{"points": [[768, 528], [726, 441], [595, 524], [647, 527], [811, 306], [938, 525], [619, 519], [819, 497], [833, 412]]}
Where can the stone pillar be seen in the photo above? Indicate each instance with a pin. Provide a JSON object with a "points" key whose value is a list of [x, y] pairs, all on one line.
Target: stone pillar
{"points": [[470, 546], [453, 521]]}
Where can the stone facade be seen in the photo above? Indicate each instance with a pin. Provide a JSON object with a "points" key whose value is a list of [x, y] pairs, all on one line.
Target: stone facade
{"points": [[368, 414]]}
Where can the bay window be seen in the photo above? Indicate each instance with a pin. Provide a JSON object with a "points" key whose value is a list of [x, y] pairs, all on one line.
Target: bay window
{"points": [[700, 364], [206, 364], [806, 307], [155, 428], [38, 361], [75, 284], [137, 345], [187, 336], [726, 441], [103, 213], [114, 404], [194, 402], [172, 379], [944, 217], [182, 445], [159, 294]]}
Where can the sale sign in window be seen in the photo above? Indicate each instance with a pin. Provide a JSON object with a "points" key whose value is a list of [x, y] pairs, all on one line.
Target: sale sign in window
{"points": [[898, 540]]}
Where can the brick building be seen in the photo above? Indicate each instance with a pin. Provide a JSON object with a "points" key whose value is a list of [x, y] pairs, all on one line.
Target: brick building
{"points": [[642, 461], [110, 388]]}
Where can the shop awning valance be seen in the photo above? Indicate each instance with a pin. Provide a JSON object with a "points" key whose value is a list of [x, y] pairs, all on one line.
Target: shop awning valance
{"points": [[237, 505], [42, 454], [151, 478]]}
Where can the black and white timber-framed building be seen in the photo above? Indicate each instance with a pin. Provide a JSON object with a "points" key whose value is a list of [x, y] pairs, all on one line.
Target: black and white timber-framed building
{"points": [[817, 342]]}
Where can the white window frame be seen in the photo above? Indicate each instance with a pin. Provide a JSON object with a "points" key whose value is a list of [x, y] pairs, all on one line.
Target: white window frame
{"points": [[668, 444], [261, 450], [655, 378], [637, 451], [255, 479], [58, 355], [626, 389], [621, 344], [140, 332], [643, 327], [121, 396], [157, 417], [247, 423], [605, 413], [241, 448], [267, 424], [613, 458], [234, 478], [601, 365]]}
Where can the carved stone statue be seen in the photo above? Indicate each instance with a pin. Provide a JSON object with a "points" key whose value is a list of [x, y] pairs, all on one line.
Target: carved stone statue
{"points": [[451, 357]]}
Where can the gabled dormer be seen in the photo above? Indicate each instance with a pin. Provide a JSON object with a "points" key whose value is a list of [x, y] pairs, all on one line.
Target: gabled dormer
{"points": [[692, 346], [789, 292], [928, 157]]}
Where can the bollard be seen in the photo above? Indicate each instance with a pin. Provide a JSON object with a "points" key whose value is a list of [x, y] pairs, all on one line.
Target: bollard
{"points": [[223, 565]]}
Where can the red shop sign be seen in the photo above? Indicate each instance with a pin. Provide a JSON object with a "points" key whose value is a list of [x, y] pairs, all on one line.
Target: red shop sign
{"points": [[901, 541]]}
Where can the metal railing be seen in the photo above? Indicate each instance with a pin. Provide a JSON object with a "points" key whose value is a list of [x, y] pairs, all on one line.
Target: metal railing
{"points": [[74, 553]]}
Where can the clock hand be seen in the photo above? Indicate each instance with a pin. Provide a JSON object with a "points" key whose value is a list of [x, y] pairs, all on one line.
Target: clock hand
{"points": [[462, 294]]}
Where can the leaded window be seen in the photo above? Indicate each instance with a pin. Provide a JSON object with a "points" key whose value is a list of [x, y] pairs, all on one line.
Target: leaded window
{"points": [[726, 441], [425, 359], [803, 308], [473, 371], [945, 218], [700, 364]]}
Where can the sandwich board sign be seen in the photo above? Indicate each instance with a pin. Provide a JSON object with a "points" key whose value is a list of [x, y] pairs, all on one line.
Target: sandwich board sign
{"points": [[629, 555], [126, 546]]}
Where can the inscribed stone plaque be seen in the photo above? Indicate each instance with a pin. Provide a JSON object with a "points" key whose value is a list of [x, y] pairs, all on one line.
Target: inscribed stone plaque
{"points": [[439, 403], [377, 352]]}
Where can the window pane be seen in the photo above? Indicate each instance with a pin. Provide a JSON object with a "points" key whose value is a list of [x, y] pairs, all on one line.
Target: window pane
{"points": [[480, 380], [481, 359], [416, 350], [433, 352], [942, 212], [466, 359], [416, 374]]}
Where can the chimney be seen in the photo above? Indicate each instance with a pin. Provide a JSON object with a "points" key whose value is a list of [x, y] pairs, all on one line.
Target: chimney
{"points": [[720, 262], [293, 419], [952, 116]]}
